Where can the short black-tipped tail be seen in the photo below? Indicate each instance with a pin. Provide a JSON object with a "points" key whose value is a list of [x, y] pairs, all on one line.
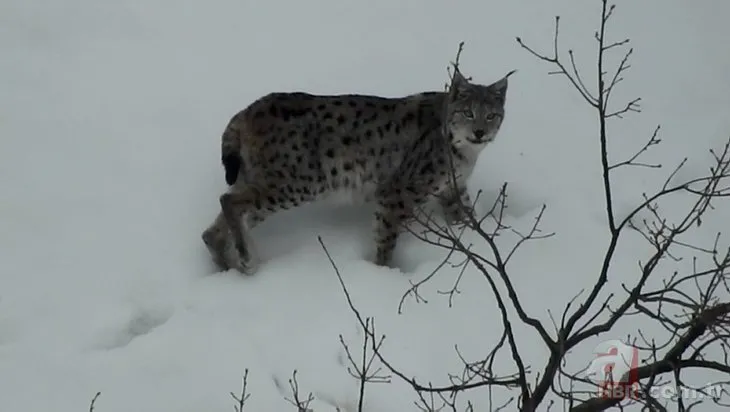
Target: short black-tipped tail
{"points": [[231, 150], [232, 164]]}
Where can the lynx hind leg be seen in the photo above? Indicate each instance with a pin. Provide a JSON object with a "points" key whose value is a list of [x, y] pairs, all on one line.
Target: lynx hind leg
{"points": [[237, 211], [219, 241], [243, 209]]}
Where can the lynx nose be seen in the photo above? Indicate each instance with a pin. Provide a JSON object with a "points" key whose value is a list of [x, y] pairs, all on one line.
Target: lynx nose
{"points": [[479, 133]]}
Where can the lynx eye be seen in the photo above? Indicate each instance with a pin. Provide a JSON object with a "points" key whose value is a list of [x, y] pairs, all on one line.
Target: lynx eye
{"points": [[491, 116], [468, 114]]}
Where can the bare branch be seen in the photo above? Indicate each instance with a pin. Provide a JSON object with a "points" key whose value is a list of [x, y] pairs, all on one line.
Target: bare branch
{"points": [[302, 405], [93, 402], [243, 397], [499, 381], [362, 371]]}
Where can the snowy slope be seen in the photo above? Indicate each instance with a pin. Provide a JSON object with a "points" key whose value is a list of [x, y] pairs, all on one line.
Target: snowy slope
{"points": [[110, 116]]}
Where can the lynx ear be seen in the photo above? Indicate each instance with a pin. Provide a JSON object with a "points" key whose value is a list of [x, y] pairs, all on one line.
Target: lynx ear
{"points": [[459, 83], [499, 87], [458, 79]]}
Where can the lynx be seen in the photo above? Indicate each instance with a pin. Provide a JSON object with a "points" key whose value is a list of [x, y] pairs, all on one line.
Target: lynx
{"points": [[287, 149]]}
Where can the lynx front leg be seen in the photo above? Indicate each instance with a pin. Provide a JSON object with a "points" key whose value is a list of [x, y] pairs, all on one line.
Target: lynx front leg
{"points": [[217, 238], [386, 235], [391, 213], [456, 204]]}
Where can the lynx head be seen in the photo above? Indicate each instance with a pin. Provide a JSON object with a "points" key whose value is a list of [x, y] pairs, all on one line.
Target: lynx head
{"points": [[474, 112]]}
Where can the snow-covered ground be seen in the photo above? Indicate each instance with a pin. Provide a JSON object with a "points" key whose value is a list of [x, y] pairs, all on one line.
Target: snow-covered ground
{"points": [[110, 117]]}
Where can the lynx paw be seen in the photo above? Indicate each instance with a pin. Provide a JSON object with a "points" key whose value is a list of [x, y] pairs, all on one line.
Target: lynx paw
{"points": [[226, 255], [458, 215], [244, 261], [382, 258]]}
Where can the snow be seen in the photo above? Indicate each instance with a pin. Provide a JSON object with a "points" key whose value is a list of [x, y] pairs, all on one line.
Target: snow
{"points": [[110, 118]]}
